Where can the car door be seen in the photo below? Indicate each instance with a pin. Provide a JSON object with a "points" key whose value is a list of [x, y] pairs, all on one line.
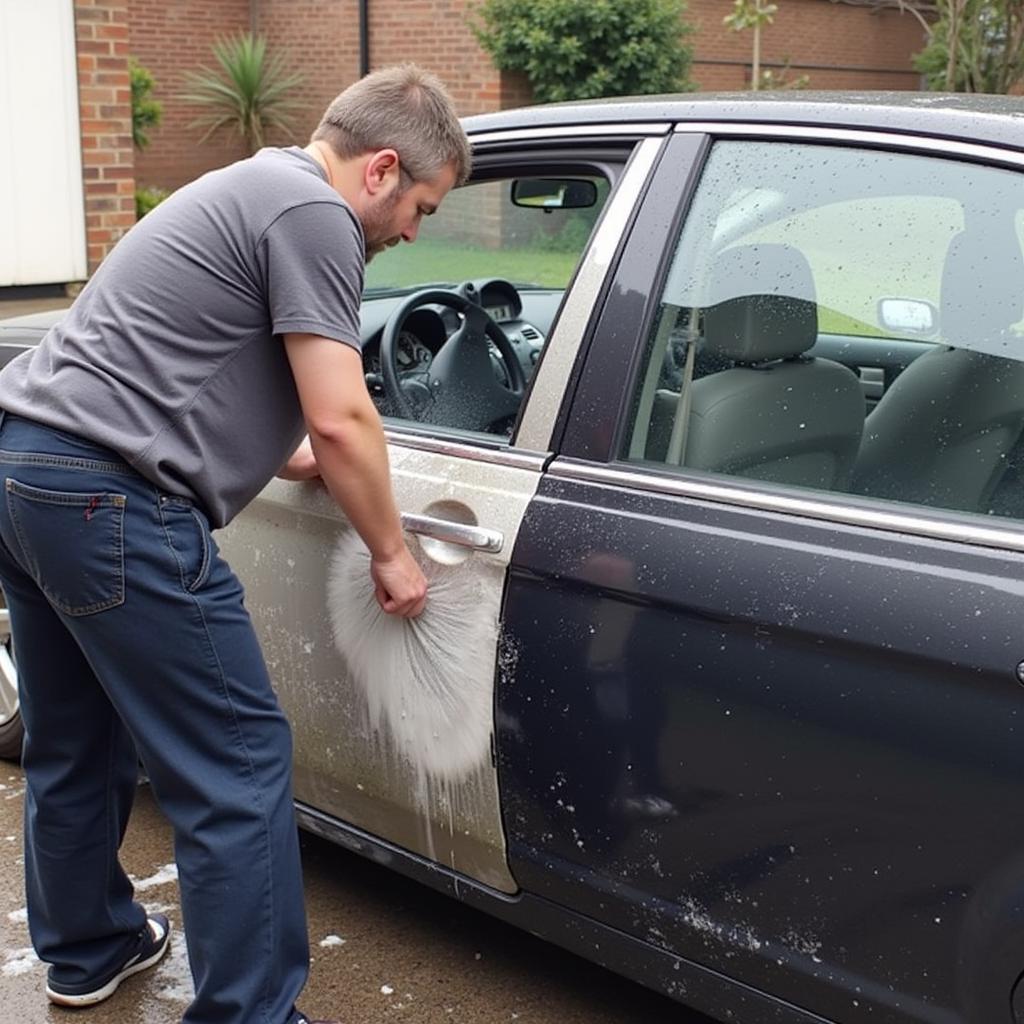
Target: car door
{"points": [[362, 767], [765, 716]]}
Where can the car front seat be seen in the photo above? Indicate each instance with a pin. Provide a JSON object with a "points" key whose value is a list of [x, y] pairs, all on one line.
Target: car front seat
{"points": [[776, 414], [941, 433]]}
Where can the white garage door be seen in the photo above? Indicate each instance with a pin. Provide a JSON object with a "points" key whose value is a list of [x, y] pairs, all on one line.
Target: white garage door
{"points": [[42, 218]]}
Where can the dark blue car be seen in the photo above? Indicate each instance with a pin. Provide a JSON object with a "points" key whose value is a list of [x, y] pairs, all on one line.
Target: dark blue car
{"points": [[706, 415]]}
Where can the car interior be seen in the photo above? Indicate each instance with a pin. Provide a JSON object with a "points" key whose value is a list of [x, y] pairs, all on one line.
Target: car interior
{"points": [[454, 326], [753, 373]]}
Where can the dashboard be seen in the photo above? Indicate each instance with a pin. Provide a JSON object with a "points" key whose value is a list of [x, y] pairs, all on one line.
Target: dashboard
{"points": [[427, 329]]}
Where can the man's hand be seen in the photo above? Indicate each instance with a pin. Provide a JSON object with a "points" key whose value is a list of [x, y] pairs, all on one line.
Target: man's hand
{"points": [[400, 585], [302, 465]]}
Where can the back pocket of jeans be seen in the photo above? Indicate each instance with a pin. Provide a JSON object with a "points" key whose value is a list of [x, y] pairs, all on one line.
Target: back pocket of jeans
{"points": [[72, 543]]}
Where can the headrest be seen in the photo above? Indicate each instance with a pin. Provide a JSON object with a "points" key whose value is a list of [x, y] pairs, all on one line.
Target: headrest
{"points": [[762, 304], [982, 286]]}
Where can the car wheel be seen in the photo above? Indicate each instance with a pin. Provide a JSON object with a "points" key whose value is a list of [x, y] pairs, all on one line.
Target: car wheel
{"points": [[11, 730]]}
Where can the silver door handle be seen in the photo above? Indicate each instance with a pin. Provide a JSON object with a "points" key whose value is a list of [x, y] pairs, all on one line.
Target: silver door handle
{"points": [[476, 537]]}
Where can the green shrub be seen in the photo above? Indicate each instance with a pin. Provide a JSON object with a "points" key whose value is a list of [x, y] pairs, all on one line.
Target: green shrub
{"points": [[147, 198], [583, 49], [570, 237], [248, 94], [974, 46], [146, 111]]}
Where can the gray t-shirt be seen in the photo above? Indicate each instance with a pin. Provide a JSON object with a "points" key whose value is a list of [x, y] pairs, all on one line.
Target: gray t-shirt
{"points": [[172, 354]]}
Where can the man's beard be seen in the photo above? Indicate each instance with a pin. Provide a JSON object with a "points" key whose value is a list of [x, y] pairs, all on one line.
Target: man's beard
{"points": [[376, 225]]}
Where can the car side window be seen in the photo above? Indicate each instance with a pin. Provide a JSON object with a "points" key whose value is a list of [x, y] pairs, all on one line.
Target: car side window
{"points": [[464, 313], [843, 320]]}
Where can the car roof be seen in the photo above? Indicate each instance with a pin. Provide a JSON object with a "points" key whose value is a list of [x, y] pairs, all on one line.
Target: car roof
{"points": [[26, 329], [41, 321], [997, 120]]}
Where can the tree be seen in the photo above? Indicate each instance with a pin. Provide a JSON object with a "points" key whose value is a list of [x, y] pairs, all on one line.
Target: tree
{"points": [[975, 46], [146, 111], [584, 49], [752, 14], [249, 94]]}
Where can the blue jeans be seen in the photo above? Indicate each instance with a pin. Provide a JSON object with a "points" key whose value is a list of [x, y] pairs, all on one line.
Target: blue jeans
{"points": [[132, 641]]}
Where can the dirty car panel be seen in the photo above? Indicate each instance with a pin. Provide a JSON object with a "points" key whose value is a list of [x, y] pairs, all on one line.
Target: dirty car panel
{"points": [[354, 763]]}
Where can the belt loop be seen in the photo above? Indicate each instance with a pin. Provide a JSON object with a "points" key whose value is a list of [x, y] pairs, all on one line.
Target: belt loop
{"points": [[3, 413]]}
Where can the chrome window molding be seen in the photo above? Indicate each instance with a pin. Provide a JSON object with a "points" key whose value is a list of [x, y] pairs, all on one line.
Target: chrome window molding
{"points": [[515, 458], [881, 517], [572, 131], [855, 136], [547, 390]]}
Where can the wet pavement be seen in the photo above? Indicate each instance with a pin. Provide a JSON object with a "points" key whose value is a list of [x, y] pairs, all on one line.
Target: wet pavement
{"points": [[383, 948]]}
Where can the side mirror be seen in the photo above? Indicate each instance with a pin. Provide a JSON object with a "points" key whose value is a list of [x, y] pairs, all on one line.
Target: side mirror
{"points": [[554, 193], [908, 316]]}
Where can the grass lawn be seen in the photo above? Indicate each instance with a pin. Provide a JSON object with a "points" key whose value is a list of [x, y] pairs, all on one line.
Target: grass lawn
{"points": [[431, 260], [428, 260], [831, 321]]}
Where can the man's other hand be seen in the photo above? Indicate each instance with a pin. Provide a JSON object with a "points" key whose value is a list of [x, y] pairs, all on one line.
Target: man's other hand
{"points": [[302, 465]]}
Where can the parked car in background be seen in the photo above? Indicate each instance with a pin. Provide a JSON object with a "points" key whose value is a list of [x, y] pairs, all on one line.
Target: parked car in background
{"points": [[705, 414]]}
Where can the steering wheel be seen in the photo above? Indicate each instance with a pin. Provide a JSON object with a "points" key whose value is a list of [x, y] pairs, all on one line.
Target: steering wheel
{"points": [[459, 388]]}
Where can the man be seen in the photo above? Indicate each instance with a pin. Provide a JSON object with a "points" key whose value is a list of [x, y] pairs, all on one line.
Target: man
{"points": [[221, 330]]}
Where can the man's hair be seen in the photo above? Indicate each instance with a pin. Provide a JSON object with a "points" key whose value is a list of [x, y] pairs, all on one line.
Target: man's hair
{"points": [[403, 108]]}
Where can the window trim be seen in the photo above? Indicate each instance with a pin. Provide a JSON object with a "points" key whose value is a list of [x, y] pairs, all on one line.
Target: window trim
{"points": [[467, 447], [624, 130], [889, 141], [872, 513]]}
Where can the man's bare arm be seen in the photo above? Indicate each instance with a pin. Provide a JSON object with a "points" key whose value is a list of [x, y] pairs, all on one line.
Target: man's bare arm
{"points": [[347, 441]]}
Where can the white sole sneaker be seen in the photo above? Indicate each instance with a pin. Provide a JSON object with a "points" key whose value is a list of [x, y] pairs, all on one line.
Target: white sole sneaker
{"points": [[154, 946]]}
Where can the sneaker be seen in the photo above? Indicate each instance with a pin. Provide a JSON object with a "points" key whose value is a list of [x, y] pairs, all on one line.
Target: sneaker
{"points": [[154, 941]]}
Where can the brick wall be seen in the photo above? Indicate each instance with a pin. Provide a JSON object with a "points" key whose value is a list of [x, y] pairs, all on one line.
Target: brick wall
{"points": [[105, 110], [320, 38], [170, 37], [837, 45], [435, 33]]}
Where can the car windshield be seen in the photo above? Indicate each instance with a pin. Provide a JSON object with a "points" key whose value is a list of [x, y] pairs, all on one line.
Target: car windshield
{"points": [[479, 232]]}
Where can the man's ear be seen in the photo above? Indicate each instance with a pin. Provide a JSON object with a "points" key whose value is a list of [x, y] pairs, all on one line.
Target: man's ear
{"points": [[381, 174]]}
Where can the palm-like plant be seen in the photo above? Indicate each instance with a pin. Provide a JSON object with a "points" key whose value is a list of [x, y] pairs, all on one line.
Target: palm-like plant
{"points": [[249, 93]]}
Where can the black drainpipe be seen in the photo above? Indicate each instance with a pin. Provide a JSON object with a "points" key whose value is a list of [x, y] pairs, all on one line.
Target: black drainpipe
{"points": [[364, 37]]}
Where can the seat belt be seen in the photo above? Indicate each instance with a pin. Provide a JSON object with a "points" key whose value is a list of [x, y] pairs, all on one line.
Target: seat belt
{"points": [[681, 423]]}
